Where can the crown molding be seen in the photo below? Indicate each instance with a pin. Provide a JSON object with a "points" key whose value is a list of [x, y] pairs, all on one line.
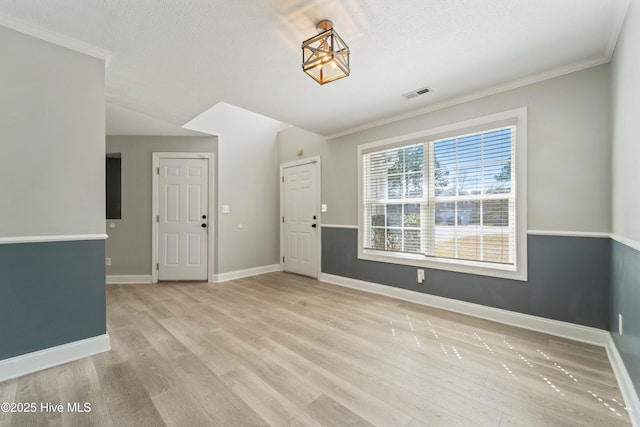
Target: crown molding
{"points": [[616, 31], [53, 37], [515, 84]]}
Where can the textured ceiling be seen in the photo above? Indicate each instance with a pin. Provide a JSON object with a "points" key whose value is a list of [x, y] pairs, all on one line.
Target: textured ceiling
{"points": [[172, 60]]}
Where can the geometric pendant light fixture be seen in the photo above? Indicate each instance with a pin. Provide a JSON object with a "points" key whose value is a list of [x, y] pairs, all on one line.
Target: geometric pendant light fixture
{"points": [[325, 57]]}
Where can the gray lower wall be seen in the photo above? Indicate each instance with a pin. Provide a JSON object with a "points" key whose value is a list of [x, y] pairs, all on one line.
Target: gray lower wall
{"points": [[50, 294], [625, 300], [568, 277]]}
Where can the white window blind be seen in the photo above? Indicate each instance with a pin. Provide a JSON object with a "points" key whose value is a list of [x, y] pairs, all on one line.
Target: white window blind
{"points": [[396, 199], [451, 198]]}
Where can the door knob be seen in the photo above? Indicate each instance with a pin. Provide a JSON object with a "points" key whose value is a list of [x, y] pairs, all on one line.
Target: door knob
{"points": [[314, 225], [204, 225], [204, 217]]}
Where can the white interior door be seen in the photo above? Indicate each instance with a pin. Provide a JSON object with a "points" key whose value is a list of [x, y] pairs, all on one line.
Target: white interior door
{"points": [[183, 219], [300, 212]]}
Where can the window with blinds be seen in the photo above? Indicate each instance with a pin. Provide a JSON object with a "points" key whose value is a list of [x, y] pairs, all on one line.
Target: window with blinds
{"points": [[451, 198], [395, 199]]}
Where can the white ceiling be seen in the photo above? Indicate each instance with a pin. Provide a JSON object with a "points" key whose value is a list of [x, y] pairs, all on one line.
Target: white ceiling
{"points": [[172, 60]]}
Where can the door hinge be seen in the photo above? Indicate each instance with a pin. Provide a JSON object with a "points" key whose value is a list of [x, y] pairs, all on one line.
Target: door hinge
{"points": [[282, 259], [283, 179], [158, 266], [157, 218], [158, 171], [283, 219]]}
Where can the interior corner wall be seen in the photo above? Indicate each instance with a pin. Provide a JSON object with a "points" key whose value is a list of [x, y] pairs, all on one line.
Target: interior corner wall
{"points": [[248, 234], [52, 124], [130, 240], [569, 167], [248, 178], [625, 256]]}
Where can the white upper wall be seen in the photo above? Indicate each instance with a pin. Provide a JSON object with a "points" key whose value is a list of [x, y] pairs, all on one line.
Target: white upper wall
{"points": [[53, 139], [293, 139], [569, 151], [626, 128]]}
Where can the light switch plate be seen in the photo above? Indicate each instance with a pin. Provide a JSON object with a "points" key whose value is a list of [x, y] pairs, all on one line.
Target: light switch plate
{"points": [[226, 209], [323, 207]]}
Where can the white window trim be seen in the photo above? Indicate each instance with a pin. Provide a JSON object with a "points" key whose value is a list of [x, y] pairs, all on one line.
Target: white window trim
{"points": [[471, 267]]}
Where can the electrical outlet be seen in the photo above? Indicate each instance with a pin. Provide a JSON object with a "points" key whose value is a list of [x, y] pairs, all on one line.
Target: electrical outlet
{"points": [[620, 324], [420, 278], [107, 261]]}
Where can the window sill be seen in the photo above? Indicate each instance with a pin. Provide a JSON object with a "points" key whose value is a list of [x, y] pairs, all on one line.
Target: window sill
{"points": [[468, 267]]}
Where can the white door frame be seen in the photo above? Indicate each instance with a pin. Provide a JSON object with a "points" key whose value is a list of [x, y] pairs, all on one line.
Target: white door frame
{"points": [[283, 166], [155, 209]]}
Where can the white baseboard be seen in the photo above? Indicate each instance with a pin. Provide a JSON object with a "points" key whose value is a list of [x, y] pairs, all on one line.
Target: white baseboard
{"points": [[130, 279], [239, 274], [624, 383], [50, 357], [217, 278], [554, 327]]}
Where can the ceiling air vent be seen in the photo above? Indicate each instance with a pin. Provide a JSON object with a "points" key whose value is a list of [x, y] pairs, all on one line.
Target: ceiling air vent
{"points": [[417, 92]]}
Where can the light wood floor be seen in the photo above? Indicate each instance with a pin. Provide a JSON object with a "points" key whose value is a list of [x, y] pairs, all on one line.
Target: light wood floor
{"points": [[279, 350]]}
